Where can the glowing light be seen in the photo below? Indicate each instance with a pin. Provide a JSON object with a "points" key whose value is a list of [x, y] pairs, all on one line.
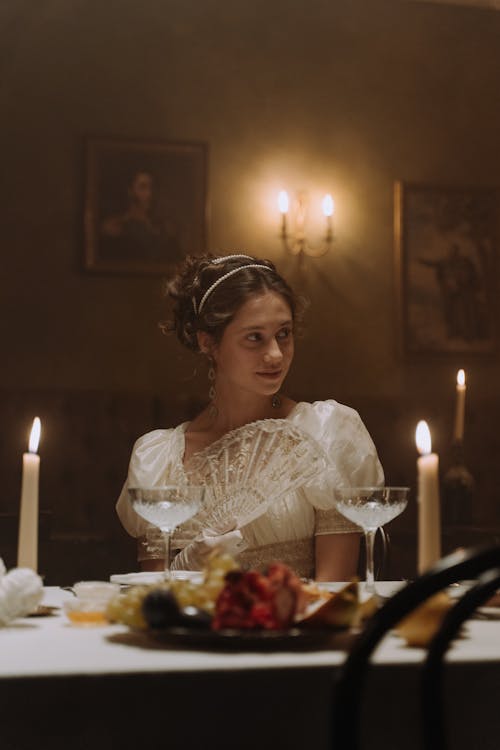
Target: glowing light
{"points": [[35, 435], [283, 202], [328, 205], [423, 438]]}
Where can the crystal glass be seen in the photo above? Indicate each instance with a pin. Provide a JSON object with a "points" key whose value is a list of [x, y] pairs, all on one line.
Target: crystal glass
{"points": [[166, 508], [371, 508]]}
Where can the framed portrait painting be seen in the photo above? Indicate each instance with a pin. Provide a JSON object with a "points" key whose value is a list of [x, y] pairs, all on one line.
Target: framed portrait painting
{"points": [[446, 261], [145, 204]]}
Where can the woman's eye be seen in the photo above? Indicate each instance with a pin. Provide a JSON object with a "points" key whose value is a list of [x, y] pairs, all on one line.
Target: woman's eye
{"points": [[253, 337], [284, 333]]}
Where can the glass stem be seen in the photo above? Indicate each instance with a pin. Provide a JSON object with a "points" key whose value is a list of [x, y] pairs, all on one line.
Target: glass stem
{"points": [[370, 576], [166, 544]]}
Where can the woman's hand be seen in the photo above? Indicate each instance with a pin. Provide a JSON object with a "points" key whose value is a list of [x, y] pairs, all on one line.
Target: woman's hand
{"points": [[193, 556]]}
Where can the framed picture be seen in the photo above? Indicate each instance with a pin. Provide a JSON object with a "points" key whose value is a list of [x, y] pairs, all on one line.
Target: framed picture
{"points": [[446, 258], [145, 204]]}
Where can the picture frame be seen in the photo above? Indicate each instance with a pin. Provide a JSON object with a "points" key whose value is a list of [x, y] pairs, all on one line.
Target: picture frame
{"points": [[145, 204], [446, 248]]}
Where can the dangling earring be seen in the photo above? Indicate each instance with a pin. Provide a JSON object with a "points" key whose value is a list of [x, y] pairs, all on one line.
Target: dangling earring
{"points": [[212, 393], [276, 401]]}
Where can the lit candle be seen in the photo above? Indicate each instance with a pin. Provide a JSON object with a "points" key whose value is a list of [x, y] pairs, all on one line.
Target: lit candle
{"points": [[429, 515], [328, 207], [27, 551], [283, 205], [283, 202], [458, 433]]}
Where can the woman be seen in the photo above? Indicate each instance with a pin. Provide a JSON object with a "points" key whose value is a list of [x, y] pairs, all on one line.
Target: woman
{"points": [[240, 313]]}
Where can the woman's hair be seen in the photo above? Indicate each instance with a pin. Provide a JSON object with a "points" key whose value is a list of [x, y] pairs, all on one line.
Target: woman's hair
{"points": [[194, 310]]}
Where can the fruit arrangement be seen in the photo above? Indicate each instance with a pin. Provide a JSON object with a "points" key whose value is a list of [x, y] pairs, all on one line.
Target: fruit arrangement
{"points": [[229, 598], [268, 600], [174, 602], [419, 627]]}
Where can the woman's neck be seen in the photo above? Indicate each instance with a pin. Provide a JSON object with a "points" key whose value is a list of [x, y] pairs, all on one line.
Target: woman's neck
{"points": [[214, 423], [228, 414]]}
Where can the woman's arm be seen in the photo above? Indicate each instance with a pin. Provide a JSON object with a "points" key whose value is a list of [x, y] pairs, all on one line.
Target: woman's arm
{"points": [[152, 564], [337, 556]]}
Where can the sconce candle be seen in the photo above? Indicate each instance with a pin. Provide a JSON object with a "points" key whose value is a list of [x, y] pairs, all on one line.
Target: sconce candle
{"points": [[296, 243], [328, 207], [429, 515], [283, 202], [27, 551], [458, 434], [283, 205]]}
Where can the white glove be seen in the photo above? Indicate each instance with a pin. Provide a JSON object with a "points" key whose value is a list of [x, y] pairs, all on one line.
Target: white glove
{"points": [[193, 556]]}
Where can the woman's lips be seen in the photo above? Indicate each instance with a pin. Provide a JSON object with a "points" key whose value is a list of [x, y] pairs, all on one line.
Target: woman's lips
{"points": [[274, 375]]}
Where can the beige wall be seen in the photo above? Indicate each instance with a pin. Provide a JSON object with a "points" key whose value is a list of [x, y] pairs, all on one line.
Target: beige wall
{"points": [[319, 94], [347, 96]]}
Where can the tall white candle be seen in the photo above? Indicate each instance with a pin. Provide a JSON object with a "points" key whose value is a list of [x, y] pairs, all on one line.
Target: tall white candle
{"points": [[27, 551], [458, 432], [429, 513]]}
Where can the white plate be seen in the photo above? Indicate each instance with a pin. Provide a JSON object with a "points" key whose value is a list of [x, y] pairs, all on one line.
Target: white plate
{"points": [[384, 589], [145, 577], [490, 613]]}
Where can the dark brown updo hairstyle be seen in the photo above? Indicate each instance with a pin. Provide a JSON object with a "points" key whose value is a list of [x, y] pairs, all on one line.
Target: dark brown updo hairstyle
{"points": [[197, 274]]}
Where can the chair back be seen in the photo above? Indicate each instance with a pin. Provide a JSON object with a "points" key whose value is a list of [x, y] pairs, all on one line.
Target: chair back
{"points": [[431, 699], [465, 564]]}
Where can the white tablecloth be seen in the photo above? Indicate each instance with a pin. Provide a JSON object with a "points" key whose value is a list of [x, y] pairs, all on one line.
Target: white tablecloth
{"points": [[43, 661]]}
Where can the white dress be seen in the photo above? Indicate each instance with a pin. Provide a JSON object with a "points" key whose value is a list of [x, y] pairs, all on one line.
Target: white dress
{"points": [[287, 529]]}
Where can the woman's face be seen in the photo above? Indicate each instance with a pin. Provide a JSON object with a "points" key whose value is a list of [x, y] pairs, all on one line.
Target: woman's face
{"points": [[256, 349], [141, 190]]}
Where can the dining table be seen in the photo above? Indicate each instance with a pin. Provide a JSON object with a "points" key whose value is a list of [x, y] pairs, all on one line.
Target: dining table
{"points": [[108, 686]]}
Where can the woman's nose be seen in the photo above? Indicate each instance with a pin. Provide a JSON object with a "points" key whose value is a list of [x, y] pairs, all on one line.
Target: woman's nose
{"points": [[273, 352]]}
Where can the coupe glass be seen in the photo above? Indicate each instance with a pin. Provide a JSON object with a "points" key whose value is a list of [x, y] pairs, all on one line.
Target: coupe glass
{"points": [[371, 508], [166, 508]]}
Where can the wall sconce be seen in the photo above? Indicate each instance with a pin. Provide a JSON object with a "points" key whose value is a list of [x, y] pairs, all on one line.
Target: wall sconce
{"points": [[296, 243]]}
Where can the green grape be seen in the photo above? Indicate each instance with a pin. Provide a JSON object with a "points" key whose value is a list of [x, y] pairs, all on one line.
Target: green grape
{"points": [[126, 607]]}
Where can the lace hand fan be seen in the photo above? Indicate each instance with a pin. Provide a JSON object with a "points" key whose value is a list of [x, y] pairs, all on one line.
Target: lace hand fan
{"points": [[251, 467]]}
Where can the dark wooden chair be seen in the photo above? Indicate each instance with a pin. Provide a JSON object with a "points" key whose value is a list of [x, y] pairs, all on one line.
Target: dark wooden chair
{"points": [[348, 692], [432, 698]]}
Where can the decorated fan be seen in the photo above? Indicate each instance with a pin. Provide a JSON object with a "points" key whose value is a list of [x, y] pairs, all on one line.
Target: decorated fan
{"points": [[251, 467]]}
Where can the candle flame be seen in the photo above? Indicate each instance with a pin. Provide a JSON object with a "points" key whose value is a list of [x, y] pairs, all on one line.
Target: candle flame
{"points": [[35, 435], [423, 438], [328, 205], [283, 202], [461, 377]]}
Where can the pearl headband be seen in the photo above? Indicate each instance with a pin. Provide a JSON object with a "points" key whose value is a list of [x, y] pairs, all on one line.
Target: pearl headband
{"points": [[211, 288], [222, 258]]}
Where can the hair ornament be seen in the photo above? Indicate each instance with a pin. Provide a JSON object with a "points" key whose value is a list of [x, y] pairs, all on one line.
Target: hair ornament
{"points": [[218, 261], [222, 258], [223, 278]]}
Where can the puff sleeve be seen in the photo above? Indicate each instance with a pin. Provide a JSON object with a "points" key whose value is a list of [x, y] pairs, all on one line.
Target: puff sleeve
{"points": [[353, 456]]}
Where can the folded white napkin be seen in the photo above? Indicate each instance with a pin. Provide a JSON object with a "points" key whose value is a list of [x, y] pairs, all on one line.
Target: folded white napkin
{"points": [[21, 591]]}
